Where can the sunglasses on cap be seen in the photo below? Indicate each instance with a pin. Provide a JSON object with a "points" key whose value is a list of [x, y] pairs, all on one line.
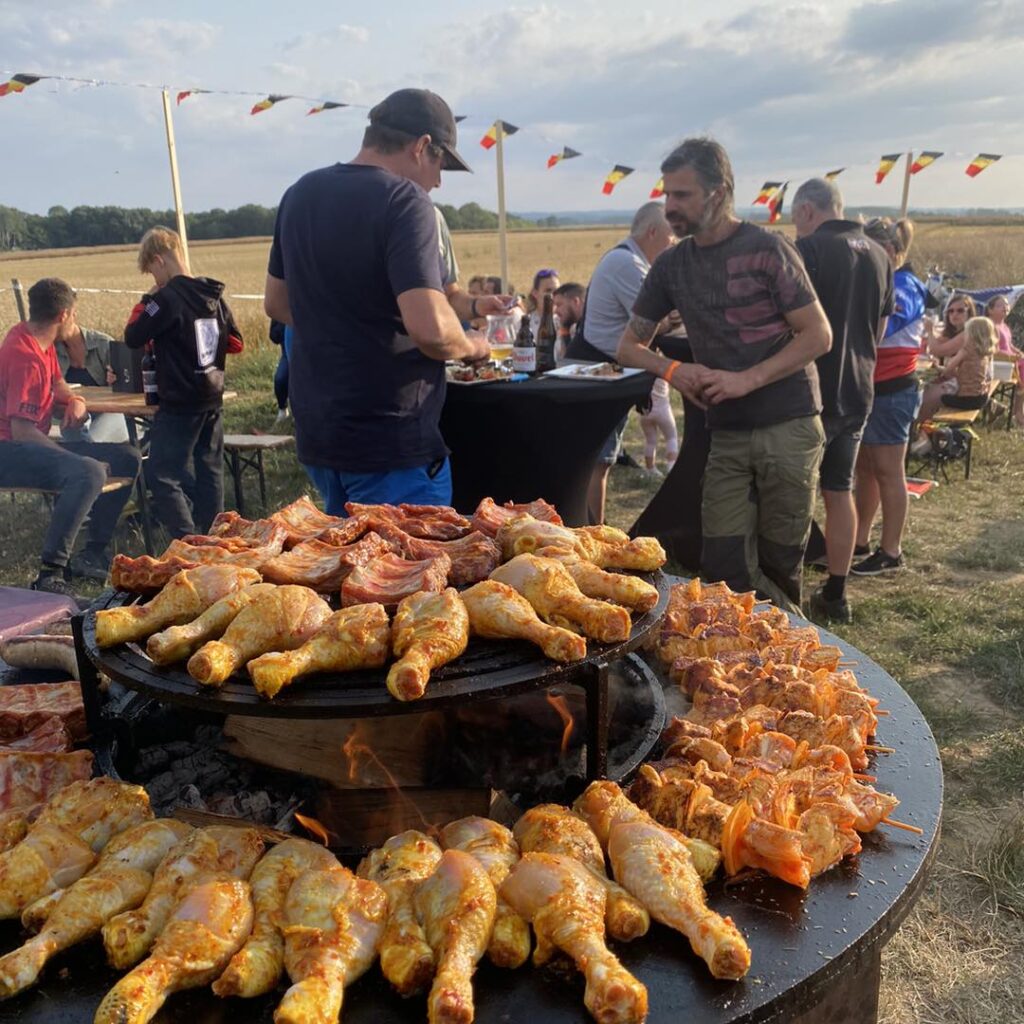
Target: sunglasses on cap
{"points": [[541, 274]]}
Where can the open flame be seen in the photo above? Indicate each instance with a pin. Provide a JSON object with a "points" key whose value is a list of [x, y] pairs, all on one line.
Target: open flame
{"points": [[314, 828], [355, 748], [559, 703]]}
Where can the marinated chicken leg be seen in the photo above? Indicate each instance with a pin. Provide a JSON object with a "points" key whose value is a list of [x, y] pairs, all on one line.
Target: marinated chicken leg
{"points": [[499, 612], [257, 967], [456, 904], [204, 853], [429, 631], [206, 929], [279, 621], [405, 860], [356, 637], [184, 596], [495, 848], [552, 591], [551, 828], [119, 881], [565, 904], [62, 844], [176, 643], [619, 588], [333, 923]]}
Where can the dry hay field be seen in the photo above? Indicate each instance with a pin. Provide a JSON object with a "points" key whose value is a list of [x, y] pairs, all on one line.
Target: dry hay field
{"points": [[950, 628]]}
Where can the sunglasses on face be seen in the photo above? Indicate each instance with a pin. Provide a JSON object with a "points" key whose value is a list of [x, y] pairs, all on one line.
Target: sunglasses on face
{"points": [[957, 309]]}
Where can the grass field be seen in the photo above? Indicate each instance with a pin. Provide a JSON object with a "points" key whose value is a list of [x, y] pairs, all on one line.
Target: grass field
{"points": [[950, 628]]}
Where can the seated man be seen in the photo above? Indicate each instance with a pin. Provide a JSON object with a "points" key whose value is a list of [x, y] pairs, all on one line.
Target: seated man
{"points": [[31, 386], [84, 358]]}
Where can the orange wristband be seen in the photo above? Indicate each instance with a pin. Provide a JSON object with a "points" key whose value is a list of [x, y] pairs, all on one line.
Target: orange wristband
{"points": [[667, 375]]}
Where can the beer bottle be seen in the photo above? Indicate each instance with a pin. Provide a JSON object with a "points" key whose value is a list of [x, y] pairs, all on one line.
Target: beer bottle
{"points": [[149, 375], [524, 351], [546, 336]]}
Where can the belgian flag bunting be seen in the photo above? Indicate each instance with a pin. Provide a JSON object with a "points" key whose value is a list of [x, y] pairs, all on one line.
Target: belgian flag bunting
{"points": [[267, 103], [775, 205], [617, 173], [929, 156], [980, 162], [19, 83], [885, 165], [832, 175], [490, 139], [329, 105], [185, 93], [566, 154], [768, 189], [659, 189]]}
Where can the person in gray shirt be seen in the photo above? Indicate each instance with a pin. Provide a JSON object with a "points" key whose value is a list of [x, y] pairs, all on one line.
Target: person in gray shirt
{"points": [[84, 358]]}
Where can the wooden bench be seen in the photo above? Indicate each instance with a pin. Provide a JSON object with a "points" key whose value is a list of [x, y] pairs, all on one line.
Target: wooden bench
{"points": [[963, 419], [114, 483], [245, 451]]}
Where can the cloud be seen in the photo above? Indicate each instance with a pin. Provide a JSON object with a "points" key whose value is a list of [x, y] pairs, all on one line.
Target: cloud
{"points": [[329, 37]]}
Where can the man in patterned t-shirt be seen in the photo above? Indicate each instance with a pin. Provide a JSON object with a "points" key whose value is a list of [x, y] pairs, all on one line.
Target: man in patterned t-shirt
{"points": [[755, 327]]}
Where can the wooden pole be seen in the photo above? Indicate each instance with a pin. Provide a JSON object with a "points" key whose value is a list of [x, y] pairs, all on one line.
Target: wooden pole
{"points": [[175, 182], [19, 297], [502, 236], [906, 185]]}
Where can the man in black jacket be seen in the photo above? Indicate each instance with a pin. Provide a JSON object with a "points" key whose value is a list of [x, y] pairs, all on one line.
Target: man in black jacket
{"points": [[192, 330], [853, 278]]}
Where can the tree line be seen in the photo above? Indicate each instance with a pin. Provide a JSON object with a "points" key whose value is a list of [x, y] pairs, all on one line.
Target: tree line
{"points": [[60, 228]]}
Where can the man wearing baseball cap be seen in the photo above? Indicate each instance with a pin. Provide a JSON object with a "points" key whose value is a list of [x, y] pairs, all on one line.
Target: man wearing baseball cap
{"points": [[355, 269]]}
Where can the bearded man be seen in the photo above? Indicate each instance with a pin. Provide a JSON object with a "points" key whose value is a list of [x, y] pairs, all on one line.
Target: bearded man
{"points": [[755, 327]]}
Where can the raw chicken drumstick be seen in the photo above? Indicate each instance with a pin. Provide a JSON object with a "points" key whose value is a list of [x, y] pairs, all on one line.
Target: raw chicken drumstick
{"points": [[550, 828], [279, 621], [176, 643], [654, 864], [119, 881], [203, 854], [183, 598], [356, 637], [499, 612], [405, 860], [332, 926], [456, 904], [257, 967], [206, 928], [547, 585], [429, 631], [566, 905], [495, 848]]}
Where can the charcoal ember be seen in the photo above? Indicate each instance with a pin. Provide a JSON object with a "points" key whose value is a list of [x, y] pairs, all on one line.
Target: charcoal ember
{"points": [[258, 806], [191, 797]]}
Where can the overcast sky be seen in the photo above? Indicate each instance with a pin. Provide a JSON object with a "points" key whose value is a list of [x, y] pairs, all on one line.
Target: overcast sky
{"points": [[792, 90]]}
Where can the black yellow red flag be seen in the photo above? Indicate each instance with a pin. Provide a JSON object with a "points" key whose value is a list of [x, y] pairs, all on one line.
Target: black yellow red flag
{"points": [[768, 189], [923, 160], [980, 162], [185, 93], [566, 154], [18, 83], [832, 175], [659, 189], [775, 204], [490, 139], [267, 103], [321, 107], [617, 173], [885, 165]]}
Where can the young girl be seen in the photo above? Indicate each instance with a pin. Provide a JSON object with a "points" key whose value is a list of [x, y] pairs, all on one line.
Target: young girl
{"points": [[997, 309], [970, 368]]}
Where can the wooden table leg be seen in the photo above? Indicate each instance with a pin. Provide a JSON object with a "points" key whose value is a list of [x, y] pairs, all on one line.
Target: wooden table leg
{"points": [[263, 479], [236, 473]]}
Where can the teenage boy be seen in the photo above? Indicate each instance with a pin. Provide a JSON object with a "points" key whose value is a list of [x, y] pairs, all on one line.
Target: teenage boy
{"points": [[192, 330]]}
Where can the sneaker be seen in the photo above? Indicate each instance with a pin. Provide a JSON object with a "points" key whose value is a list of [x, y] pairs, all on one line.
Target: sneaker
{"points": [[653, 474], [52, 583], [824, 610], [878, 563], [860, 550], [89, 565], [282, 418]]}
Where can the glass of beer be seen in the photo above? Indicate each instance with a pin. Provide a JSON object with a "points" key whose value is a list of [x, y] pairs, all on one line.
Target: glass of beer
{"points": [[500, 335]]}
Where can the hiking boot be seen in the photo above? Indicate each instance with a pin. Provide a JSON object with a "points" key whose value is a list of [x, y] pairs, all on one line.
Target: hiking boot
{"points": [[89, 565], [878, 563], [822, 609], [54, 583]]}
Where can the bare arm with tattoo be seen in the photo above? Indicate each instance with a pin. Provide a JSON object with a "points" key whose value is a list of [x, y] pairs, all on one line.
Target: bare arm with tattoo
{"points": [[634, 350]]}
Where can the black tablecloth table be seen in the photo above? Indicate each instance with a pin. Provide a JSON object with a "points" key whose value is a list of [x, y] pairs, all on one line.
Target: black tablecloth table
{"points": [[536, 438]]}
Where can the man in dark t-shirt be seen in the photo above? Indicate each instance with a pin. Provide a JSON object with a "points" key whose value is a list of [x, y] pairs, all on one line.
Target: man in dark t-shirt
{"points": [[755, 327], [355, 269], [853, 278]]}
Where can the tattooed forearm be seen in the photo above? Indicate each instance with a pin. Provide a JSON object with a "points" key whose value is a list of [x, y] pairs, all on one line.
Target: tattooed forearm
{"points": [[642, 327]]}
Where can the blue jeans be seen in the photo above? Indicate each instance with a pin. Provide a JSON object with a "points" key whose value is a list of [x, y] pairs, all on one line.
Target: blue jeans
{"points": [[422, 485], [892, 416]]}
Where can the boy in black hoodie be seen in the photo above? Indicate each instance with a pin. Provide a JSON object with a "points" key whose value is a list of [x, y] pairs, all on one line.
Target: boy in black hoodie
{"points": [[192, 331]]}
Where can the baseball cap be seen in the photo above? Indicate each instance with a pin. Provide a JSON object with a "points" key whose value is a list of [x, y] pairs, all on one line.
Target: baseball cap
{"points": [[421, 112]]}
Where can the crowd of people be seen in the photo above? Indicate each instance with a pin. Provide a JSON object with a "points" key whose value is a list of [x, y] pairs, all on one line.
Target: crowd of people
{"points": [[796, 364]]}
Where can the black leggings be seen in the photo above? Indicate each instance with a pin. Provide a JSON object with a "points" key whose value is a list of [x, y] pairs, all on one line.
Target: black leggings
{"points": [[965, 401]]}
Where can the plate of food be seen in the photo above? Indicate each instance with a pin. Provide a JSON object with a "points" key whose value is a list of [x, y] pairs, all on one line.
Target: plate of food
{"points": [[593, 371], [485, 373]]}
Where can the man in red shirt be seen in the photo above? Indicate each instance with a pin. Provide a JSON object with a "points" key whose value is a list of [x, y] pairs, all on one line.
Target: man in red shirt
{"points": [[31, 386]]}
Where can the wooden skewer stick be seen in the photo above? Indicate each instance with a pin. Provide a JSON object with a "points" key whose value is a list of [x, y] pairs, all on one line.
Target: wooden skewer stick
{"points": [[903, 825], [880, 750], [864, 778]]}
